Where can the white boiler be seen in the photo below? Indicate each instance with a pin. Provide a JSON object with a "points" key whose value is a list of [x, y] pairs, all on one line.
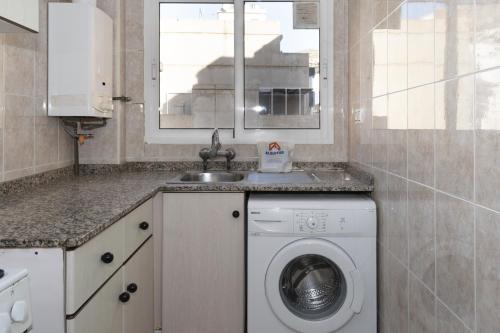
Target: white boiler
{"points": [[80, 65]]}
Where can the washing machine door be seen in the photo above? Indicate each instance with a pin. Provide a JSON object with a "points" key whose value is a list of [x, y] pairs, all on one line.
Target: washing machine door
{"points": [[313, 286]]}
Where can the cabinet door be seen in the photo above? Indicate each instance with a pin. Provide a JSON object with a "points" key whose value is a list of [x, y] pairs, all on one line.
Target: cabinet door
{"points": [[104, 312], [19, 16], [138, 312], [203, 263]]}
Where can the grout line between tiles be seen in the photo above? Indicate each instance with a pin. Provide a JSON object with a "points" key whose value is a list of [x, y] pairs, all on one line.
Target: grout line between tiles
{"points": [[432, 188], [474, 196]]}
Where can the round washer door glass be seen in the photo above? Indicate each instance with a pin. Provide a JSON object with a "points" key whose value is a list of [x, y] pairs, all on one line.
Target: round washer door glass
{"points": [[312, 287]]}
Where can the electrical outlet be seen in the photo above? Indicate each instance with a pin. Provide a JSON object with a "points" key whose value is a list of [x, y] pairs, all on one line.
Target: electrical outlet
{"points": [[358, 115]]}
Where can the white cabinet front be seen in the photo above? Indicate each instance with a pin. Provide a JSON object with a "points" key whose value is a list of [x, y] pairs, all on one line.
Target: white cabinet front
{"points": [[138, 281], [203, 263], [104, 312]]}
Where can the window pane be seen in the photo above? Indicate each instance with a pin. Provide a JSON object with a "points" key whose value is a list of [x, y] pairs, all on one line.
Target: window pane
{"points": [[282, 76], [196, 65]]}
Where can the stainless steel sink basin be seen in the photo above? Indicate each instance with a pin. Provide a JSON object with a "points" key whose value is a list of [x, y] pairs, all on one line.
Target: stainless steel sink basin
{"points": [[212, 177]]}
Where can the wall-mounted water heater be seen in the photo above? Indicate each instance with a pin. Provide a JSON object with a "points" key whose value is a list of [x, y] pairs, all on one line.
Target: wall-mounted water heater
{"points": [[80, 65]]}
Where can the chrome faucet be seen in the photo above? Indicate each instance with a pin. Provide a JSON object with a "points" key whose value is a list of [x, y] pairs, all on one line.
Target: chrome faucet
{"points": [[214, 151]]}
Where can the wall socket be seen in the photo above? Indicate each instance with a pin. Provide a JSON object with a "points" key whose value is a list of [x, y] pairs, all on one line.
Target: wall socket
{"points": [[358, 115]]}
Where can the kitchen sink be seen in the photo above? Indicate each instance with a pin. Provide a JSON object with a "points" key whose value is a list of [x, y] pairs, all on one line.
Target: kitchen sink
{"points": [[212, 177]]}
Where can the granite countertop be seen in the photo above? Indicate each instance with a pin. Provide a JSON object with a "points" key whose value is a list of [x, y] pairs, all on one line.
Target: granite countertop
{"points": [[70, 211]]}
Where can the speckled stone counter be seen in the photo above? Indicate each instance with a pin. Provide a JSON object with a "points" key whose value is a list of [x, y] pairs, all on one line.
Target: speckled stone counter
{"points": [[72, 210]]}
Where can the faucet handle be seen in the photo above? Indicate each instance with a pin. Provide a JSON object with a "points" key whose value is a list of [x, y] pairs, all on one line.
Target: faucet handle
{"points": [[215, 139]]}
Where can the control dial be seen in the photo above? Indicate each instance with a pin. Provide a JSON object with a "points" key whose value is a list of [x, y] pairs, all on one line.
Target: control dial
{"points": [[312, 223], [19, 312]]}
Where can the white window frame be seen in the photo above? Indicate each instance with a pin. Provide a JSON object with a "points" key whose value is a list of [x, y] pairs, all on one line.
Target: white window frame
{"points": [[240, 135]]}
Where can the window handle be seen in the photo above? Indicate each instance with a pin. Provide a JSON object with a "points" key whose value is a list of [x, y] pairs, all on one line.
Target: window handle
{"points": [[154, 70]]}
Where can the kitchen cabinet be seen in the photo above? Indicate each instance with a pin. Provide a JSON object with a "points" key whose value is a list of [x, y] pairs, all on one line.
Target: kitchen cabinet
{"points": [[19, 16], [138, 312], [110, 279], [203, 263], [125, 302]]}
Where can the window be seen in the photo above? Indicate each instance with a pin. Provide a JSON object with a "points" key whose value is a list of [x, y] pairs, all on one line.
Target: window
{"points": [[257, 70]]}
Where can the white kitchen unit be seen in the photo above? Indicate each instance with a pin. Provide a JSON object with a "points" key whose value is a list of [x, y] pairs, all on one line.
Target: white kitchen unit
{"points": [[104, 286], [204, 263], [80, 68], [19, 16]]}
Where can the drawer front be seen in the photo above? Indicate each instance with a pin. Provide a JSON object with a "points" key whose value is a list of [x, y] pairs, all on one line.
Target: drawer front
{"points": [[104, 312], [90, 265], [138, 227], [138, 280]]}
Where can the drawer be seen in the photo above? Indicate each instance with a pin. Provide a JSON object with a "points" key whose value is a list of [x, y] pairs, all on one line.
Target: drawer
{"points": [[87, 268], [104, 312], [138, 227]]}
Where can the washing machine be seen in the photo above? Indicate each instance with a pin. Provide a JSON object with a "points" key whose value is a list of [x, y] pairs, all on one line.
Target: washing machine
{"points": [[311, 263]]}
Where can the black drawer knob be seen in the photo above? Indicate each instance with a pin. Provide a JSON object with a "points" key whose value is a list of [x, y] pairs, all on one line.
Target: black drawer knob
{"points": [[107, 258], [124, 297], [144, 225], [132, 288], [236, 214]]}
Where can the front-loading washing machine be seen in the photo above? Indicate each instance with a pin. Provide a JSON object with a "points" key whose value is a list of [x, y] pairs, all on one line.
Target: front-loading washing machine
{"points": [[311, 263]]}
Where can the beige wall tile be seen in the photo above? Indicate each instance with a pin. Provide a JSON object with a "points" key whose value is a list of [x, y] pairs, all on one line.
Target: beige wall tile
{"points": [[421, 233], [19, 133], [421, 156], [448, 322], [46, 136], [487, 37], [19, 63], [397, 280], [134, 25], [397, 141], [455, 256], [421, 134], [393, 5], [379, 52], [134, 84], [455, 137], [397, 224], [420, 42], [422, 308], [454, 46], [488, 279], [487, 172], [354, 22], [397, 50], [366, 133], [66, 147]]}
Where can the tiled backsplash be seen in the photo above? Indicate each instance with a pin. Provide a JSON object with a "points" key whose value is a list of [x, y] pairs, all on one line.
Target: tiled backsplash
{"points": [[30, 142], [426, 77]]}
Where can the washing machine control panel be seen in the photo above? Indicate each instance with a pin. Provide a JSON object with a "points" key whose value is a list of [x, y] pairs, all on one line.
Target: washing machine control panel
{"points": [[310, 221]]}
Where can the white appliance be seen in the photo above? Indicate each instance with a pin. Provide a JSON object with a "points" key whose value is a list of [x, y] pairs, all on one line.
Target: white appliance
{"points": [[311, 263], [80, 68], [15, 303]]}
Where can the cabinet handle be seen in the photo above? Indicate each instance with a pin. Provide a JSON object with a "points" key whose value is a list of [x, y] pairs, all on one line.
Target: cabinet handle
{"points": [[107, 258], [124, 297], [144, 225], [132, 288], [236, 214]]}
